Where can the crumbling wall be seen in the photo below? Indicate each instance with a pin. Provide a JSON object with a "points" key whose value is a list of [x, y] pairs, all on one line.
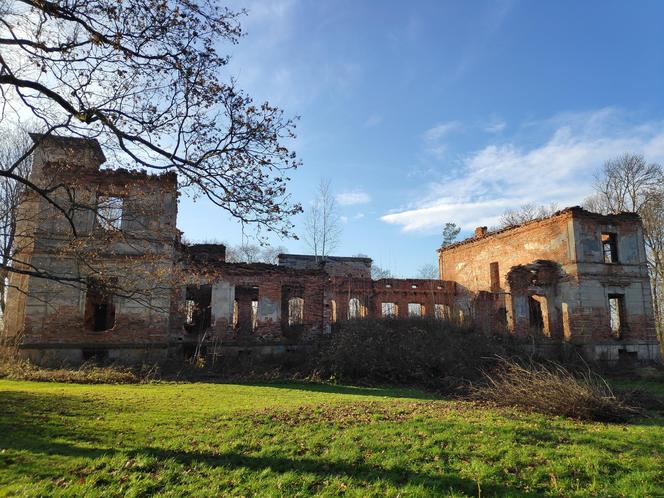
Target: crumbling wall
{"points": [[469, 262], [577, 277], [397, 294], [55, 314], [336, 266], [250, 302]]}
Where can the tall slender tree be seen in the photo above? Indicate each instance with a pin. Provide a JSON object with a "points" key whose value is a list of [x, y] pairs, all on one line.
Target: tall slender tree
{"points": [[322, 225]]}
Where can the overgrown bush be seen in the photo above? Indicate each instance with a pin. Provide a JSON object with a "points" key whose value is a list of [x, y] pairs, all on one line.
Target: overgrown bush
{"points": [[553, 390], [429, 353]]}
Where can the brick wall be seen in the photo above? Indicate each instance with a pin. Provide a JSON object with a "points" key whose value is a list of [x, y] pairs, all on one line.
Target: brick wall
{"points": [[336, 266], [138, 257], [557, 266]]}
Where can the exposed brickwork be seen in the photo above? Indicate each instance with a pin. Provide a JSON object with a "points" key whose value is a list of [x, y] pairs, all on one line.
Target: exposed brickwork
{"points": [[546, 278], [43, 314], [336, 266], [553, 280]]}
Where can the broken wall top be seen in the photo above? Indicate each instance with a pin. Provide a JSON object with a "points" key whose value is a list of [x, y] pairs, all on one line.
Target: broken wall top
{"points": [[336, 266], [570, 212], [79, 159]]}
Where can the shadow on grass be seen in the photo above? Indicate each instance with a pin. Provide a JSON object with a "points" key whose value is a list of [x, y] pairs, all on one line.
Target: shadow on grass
{"points": [[359, 472], [41, 425]]}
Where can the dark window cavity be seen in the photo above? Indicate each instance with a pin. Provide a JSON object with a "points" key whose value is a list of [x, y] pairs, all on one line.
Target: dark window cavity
{"points": [[610, 247]]}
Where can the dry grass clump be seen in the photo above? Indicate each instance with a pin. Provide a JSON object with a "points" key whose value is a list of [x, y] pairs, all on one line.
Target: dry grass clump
{"points": [[85, 374], [553, 390]]}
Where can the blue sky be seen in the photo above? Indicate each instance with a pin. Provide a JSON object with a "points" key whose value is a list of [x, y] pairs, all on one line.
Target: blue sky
{"points": [[426, 112]]}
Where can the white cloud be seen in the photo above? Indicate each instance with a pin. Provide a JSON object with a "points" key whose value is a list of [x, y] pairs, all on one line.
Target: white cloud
{"points": [[505, 175], [353, 198]]}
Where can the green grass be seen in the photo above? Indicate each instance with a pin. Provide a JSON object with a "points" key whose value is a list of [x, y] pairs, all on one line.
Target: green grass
{"points": [[300, 439]]}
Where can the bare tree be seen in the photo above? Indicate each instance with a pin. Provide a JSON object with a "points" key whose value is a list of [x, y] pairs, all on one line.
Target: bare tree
{"points": [[525, 213], [652, 214], [626, 184], [253, 253], [13, 144], [629, 183], [144, 77], [428, 271], [378, 272], [322, 225], [270, 254]]}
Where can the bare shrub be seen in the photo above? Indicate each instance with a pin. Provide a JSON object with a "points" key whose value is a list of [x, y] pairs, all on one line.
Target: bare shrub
{"points": [[642, 398], [409, 351], [553, 390]]}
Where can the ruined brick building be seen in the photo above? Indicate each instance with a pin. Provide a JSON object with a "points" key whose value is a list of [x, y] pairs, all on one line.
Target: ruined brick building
{"points": [[575, 278]]}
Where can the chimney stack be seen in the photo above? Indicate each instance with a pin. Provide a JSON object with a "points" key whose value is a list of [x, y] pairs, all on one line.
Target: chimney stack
{"points": [[480, 232]]}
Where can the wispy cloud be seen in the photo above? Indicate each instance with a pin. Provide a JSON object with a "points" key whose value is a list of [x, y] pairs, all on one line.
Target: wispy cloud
{"points": [[434, 138], [505, 175], [271, 62], [488, 23], [353, 198], [441, 130], [373, 120], [495, 126]]}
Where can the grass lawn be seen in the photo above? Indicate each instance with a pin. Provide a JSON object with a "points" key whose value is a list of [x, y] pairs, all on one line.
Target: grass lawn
{"points": [[299, 439]]}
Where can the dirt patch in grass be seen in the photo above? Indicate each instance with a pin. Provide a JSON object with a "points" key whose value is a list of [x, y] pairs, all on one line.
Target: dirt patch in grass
{"points": [[359, 413]]}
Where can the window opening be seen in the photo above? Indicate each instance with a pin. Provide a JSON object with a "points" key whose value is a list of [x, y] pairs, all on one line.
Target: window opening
{"points": [[99, 308], [389, 310], [616, 314], [109, 212], [415, 309], [295, 311], [442, 312], [610, 247]]}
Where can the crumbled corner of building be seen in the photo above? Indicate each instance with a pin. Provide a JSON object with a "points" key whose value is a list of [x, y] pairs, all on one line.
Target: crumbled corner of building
{"points": [[576, 278]]}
